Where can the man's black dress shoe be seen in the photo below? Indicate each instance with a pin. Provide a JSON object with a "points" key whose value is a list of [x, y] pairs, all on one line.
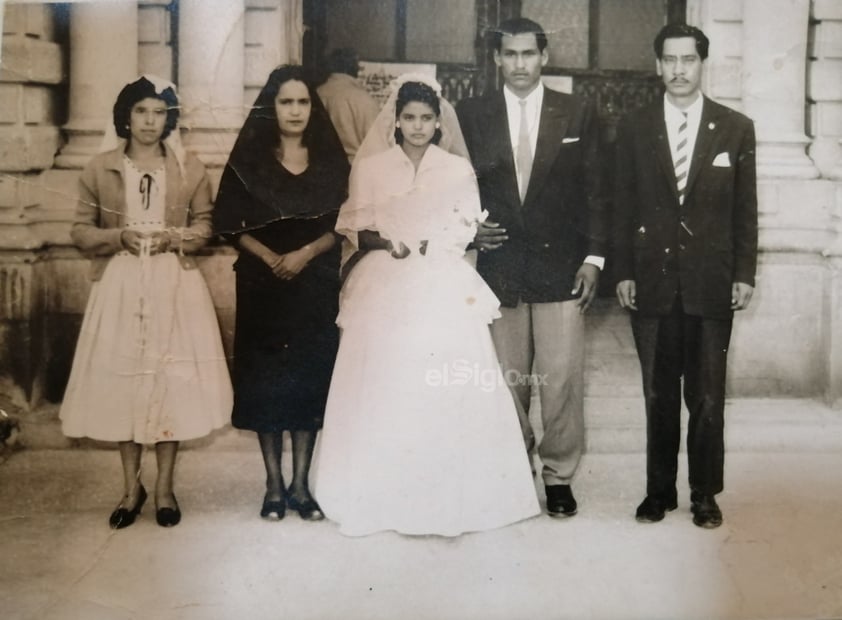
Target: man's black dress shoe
{"points": [[560, 500], [653, 508], [308, 510], [168, 517], [706, 512], [123, 517]]}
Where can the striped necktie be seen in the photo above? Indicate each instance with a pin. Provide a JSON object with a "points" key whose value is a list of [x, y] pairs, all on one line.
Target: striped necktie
{"points": [[524, 151], [681, 159]]}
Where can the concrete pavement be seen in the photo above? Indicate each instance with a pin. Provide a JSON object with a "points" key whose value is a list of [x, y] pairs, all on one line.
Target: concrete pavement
{"points": [[777, 555]]}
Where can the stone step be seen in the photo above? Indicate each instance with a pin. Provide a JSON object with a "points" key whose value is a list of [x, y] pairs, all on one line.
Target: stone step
{"points": [[618, 425], [614, 425]]}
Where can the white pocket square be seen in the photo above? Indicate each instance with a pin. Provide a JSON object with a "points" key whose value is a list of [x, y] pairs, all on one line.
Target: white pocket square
{"points": [[722, 160], [569, 140]]}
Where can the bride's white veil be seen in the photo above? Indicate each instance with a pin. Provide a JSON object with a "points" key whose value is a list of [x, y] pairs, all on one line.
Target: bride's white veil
{"points": [[381, 136], [355, 215]]}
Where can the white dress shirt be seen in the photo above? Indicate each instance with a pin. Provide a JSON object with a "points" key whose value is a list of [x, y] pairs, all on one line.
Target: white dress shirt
{"points": [[674, 116], [534, 101]]}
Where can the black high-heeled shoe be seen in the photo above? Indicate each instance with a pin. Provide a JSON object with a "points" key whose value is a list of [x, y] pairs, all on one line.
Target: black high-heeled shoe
{"points": [[273, 510], [308, 510], [123, 517], [168, 517]]}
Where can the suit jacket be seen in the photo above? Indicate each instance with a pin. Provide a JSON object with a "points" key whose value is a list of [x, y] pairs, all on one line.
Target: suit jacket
{"points": [[101, 208], [562, 219], [697, 249]]}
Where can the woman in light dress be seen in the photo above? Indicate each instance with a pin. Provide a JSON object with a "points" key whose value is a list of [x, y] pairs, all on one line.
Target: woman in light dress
{"points": [[149, 366], [421, 435]]}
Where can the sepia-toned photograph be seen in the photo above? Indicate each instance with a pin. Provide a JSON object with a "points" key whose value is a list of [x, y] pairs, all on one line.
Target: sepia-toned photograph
{"points": [[421, 309]]}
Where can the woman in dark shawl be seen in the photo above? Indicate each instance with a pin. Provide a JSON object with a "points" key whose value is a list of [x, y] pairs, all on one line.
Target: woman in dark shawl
{"points": [[278, 200]]}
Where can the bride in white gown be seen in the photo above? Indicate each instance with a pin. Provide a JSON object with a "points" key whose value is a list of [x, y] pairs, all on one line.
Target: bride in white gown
{"points": [[420, 433]]}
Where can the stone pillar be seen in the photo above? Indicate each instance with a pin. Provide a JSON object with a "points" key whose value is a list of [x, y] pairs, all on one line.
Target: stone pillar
{"points": [[273, 35], [832, 336], [824, 87], [103, 58], [31, 70], [773, 85], [210, 75], [154, 38]]}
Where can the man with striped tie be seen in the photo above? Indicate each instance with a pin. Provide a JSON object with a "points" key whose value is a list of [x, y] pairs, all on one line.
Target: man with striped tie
{"points": [[685, 243]]}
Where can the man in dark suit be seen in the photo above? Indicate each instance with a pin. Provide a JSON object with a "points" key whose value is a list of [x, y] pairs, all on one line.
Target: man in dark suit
{"points": [[542, 248], [685, 237]]}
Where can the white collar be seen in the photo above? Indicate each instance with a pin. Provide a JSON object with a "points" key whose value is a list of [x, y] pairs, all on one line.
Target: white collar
{"points": [[694, 110], [533, 98]]}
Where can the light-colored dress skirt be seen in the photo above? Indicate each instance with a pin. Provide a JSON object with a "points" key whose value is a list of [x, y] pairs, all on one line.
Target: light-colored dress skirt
{"points": [[149, 364]]}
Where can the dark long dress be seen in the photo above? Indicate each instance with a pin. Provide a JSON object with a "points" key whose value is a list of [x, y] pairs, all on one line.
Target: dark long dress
{"points": [[286, 337]]}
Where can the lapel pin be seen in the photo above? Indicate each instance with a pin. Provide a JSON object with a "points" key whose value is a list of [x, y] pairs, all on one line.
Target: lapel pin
{"points": [[711, 125]]}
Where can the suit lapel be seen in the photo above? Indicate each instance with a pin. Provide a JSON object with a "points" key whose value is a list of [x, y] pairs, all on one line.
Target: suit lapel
{"points": [[661, 146], [551, 129], [704, 142], [497, 120]]}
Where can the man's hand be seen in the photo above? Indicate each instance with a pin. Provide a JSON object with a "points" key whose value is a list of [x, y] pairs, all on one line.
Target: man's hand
{"points": [[586, 281], [627, 294], [490, 236], [740, 295]]}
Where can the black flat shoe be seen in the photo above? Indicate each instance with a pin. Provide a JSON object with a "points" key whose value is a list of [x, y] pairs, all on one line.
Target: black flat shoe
{"points": [[308, 510], [123, 517], [706, 512], [560, 500], [273, 510], [168, 517], [653, 508]]}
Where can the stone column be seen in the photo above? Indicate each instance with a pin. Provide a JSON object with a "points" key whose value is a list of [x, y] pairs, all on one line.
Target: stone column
{"points": [[773, 85], [274, 33], [103, 58], [210, 75], [836, 173]]}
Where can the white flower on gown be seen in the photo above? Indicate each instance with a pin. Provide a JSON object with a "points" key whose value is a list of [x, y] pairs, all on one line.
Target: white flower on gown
{"points": [[421, 435]]}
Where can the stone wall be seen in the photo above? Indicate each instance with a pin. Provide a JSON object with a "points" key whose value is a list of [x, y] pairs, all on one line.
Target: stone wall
{"points": [[824, 95], [31, 97], [789, 343]]}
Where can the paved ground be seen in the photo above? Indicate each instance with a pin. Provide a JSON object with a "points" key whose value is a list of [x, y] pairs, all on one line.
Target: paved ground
{"points": [[778, 554]]}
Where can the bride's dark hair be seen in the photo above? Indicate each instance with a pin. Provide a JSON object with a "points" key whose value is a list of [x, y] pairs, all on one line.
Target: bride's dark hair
{"points": [[416, 91]]}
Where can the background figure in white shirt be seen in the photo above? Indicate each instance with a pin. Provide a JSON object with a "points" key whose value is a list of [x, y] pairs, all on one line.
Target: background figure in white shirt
{"points": [[351, 109]]}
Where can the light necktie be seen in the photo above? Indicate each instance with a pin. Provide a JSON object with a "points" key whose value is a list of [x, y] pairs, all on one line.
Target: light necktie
{"points": [[682, 159], [524, 151]]}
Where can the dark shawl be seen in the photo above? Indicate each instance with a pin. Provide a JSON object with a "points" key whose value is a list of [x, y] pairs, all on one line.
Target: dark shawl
{"points": [[252, 192]]}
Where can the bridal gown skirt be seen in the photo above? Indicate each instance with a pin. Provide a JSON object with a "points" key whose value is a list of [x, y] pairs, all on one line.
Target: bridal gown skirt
{"points": [[421, 435]]}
